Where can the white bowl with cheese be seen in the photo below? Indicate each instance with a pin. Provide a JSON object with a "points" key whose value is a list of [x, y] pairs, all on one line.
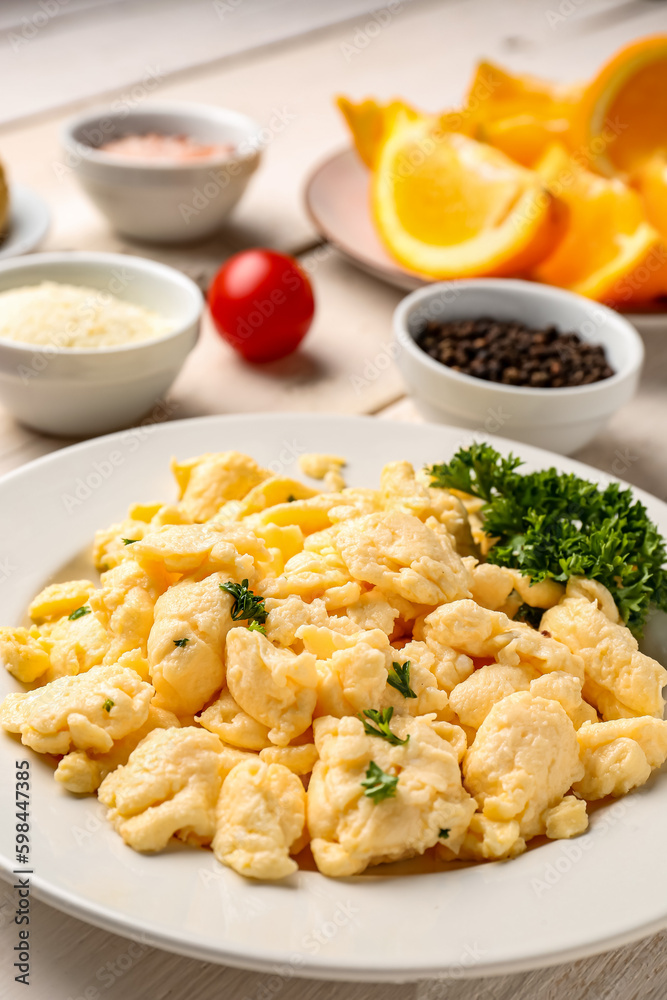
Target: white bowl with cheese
{"points": [[162, 200], [69, 369]]}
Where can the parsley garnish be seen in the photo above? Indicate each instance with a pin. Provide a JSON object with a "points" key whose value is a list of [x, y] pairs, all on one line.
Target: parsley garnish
{"points": [[291, 498], [444, 834], [246, 604], [381, 718], [532, 616], [255, 626], [129, 541], [108, 705], [378, 784], [554, 525], [181, 642], [399, 678], [79, 613], [479, 470]]}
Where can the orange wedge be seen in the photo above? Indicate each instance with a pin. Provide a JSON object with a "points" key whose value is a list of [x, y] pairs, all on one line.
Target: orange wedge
{"points": [[520, 115], [645, 283], [368, 122], [522, 137], [620, 122], [447, 206], [651, 182], [608, 244], [494, 93]]}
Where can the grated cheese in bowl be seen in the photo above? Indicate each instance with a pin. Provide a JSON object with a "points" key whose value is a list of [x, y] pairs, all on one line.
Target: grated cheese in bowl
{"points": [[74, 317]]}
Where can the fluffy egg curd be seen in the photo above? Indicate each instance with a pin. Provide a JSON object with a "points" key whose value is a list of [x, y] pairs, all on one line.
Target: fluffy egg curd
{"points": [[264, 667]]}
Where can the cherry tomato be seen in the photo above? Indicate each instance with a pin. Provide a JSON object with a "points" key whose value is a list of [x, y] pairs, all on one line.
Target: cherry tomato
{"points": [[262, 304]]}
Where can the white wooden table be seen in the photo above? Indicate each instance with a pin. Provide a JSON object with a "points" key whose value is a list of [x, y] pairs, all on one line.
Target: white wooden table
{"points": [[293, 55]]}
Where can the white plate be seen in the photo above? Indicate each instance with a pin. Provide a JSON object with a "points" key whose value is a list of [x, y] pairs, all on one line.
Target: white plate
{"points": [[29, 220], [558, 902], [337, 200]]}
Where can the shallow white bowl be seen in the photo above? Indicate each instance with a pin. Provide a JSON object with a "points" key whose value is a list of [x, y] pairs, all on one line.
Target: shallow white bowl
{"points": [[77, 393], [562, 420], [163, 202]]}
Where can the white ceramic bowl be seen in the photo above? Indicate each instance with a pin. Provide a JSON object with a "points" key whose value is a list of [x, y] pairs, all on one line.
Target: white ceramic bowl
{"points": [[163, 202], [561, 420], [81, 393]]}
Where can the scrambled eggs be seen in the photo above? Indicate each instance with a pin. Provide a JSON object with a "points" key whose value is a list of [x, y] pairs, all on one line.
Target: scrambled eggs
{"points": [[264, 667]]}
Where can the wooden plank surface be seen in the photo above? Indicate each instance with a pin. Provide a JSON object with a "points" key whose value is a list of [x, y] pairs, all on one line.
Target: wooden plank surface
{"points": [[74, 961], [98, 46], [424, 52], [406, 56]]}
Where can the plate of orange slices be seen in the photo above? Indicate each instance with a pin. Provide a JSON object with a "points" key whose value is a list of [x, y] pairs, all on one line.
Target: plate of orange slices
{"points": [[564, 184]]}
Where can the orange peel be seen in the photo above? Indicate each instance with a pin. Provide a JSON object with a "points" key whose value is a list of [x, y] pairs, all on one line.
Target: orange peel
{"points": [[368, 122], [607, 240], [620, 120]]}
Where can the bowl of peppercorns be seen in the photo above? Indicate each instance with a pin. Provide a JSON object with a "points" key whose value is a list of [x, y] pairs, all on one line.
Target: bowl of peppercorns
{"points": [[524, 360]]}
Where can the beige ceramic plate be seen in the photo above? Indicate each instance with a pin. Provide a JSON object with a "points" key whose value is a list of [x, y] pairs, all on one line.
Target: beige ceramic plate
{"points": [[337, 200]]}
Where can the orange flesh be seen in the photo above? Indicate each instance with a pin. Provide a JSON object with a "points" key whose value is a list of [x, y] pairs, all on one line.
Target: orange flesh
{"points": [[639, 113], [452, 197]]}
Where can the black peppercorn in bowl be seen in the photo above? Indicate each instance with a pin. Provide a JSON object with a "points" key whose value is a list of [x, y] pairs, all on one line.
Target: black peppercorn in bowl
{"points": [[526, 361]]}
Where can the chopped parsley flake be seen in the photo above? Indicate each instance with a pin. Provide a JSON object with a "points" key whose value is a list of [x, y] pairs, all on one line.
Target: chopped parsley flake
{"points": [[378, 784], [246, 604], [181, 642], [79, 613], [108, 705], [381, 718], [399, 678]]}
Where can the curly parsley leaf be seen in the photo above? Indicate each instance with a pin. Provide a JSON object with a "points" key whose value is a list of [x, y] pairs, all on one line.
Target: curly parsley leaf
{"points": [[554, 525], [399, 678], [246, 604], [181, 642], [479, 470], [79, 613], [108, 705], [255, 626], [381, 718], [378, 784]]}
